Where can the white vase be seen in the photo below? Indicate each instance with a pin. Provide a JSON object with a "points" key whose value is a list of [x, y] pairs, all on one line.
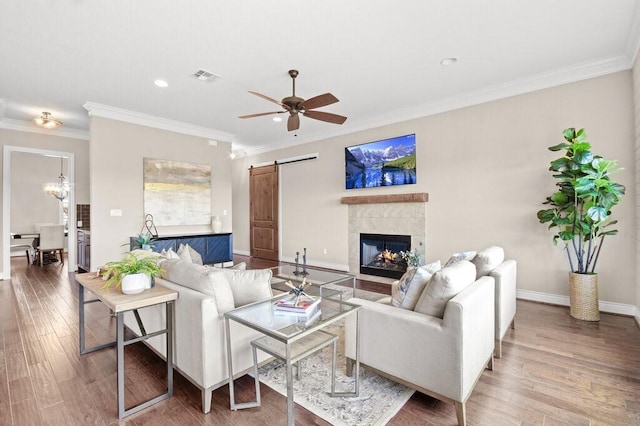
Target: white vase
{"points": [[135, 283], [216, 224]]}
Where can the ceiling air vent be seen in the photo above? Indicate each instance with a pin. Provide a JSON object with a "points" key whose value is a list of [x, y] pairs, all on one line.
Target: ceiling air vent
{"points": [[205, 76]]}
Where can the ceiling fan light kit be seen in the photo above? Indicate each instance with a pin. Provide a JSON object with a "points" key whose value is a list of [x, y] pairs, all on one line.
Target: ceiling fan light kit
{"points": [[295, 105]]}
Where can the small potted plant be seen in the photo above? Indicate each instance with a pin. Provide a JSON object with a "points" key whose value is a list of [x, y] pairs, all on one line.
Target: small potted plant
{"points": [[133, 273], [580, 210], [412, 258], [144, 241]]}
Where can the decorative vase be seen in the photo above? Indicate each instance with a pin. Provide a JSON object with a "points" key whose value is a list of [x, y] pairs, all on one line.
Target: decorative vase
{"points": [[583, 296], [135, 283], [216, 224]]}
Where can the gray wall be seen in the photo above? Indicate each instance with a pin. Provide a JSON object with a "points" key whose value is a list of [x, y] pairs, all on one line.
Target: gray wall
{"points": [[486, 171], [117, 152]]}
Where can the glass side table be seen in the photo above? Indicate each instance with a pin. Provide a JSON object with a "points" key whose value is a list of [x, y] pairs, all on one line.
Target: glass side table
{"points": [[291, 339]]}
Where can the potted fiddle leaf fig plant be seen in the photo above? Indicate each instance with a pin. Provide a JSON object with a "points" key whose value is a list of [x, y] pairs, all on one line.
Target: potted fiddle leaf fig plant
{"points": [[580, 212], [133, 273]]}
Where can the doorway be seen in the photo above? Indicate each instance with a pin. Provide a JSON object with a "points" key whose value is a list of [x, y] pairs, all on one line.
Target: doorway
{"points": [[7, 200]]}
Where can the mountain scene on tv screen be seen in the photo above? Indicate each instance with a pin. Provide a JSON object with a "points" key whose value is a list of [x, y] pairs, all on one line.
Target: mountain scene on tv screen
{"points": [[384, 163]]}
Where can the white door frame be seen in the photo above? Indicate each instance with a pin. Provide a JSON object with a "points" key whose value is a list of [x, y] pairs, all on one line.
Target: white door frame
{"points": [[6, 205]]}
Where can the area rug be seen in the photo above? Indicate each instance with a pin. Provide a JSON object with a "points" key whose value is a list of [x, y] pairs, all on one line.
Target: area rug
{"points": [[379, 400]]}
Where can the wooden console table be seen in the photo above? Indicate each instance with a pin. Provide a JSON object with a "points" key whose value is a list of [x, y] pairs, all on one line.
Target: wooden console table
{"points": [[120, 303]]}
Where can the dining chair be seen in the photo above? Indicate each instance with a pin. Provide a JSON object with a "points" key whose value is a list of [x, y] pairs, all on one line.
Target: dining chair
{"points": [[20, 247], [51, 240]]}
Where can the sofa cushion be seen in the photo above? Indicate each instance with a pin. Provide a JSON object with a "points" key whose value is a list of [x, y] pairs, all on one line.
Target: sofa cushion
{"points": [[247, 286], [457, 257], [443, 286], [197, 277], [406, 291], [487, 260]]}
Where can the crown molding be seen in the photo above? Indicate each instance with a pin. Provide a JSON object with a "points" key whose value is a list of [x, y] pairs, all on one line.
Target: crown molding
{"points": [[3, 106], [28, 126], [633, 39], [106, 111], [512, 88]]}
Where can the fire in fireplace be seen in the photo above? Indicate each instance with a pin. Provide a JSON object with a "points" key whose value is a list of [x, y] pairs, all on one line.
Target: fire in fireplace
{"points": [[380, 254]]}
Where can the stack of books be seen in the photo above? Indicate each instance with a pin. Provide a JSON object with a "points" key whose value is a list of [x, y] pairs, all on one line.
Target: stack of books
{"points": [[305, 308]]}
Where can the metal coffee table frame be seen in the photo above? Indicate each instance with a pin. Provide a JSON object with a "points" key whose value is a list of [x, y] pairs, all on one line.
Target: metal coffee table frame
{"points": [[259, 316]]}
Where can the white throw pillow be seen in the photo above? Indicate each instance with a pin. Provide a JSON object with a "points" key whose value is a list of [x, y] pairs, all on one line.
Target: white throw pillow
{"points": [[189, 254], [169, 254], [197, 278], [406, 292], [445, 285], [457, 257], [487, 260], [248, 286]]}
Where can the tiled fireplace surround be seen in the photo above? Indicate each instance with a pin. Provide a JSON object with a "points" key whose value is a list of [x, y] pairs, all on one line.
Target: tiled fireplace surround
{"points": [[403, 214]]}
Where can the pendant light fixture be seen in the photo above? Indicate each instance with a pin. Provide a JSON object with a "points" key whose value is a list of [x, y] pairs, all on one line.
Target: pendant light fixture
{"points": [[47, 121], [59, 189]]}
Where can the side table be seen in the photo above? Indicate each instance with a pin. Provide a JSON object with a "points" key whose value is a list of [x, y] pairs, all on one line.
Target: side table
{"points": [[120, 303]]}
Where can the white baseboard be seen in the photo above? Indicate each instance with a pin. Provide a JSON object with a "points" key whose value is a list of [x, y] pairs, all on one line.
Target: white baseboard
{"points": [[556, 299], [242, 252]]}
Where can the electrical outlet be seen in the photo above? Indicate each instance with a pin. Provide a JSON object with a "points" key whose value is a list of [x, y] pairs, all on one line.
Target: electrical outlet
{"points": [[224, 212], [79, 225], [324, 251], [116, 212]]}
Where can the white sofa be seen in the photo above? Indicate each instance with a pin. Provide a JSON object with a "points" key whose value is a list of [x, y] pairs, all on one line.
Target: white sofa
{"points": [[439, 356], [204, 295]]}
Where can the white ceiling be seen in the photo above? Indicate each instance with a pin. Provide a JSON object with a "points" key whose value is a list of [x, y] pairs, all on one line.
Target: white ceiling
{"points": [[380, 58]]}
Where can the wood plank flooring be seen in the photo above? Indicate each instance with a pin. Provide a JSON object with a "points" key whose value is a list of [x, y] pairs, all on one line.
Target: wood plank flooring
{"points": [[554, 371]]}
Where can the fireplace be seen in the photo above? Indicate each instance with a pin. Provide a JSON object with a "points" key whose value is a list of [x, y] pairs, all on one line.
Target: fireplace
{"points": [[380, 254]]}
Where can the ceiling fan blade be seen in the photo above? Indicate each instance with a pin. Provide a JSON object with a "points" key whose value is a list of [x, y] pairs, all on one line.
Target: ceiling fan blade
{"points": [[325, 116], [294, 122], [261, 114], [319, 101], [266, 98]]}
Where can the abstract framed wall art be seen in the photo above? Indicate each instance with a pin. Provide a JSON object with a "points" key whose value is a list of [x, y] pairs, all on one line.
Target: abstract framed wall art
{"points": [[177, 193], [384, 162]]}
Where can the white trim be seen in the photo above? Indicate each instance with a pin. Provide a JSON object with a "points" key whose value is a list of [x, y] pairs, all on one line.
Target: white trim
{"points": [[6, 204], [556, 299], [106, 111], [242, 252], [512, 88], [633, 39], [27, 126]]}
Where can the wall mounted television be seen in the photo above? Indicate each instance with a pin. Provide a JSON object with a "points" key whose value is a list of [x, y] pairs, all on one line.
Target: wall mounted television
{"points": [[385, 162]]}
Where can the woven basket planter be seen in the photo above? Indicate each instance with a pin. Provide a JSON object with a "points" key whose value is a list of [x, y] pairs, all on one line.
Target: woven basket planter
{"points": [[583, 296]]}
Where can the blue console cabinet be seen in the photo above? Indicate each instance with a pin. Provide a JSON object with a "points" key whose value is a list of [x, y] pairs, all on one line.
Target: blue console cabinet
{"points": [[214, 248]]}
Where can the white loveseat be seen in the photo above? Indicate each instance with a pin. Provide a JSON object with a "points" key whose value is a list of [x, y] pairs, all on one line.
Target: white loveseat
{"points": [[204, 295], [442, 355]]}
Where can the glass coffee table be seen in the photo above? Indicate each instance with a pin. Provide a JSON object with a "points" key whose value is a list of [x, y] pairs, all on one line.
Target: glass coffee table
{"points": [[290, 337], [315, 276]]}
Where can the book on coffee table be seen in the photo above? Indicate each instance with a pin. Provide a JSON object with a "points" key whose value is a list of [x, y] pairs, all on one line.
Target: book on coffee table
{"points": [[297, 305]]}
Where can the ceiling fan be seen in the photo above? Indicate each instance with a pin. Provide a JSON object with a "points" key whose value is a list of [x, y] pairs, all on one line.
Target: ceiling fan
{"points": [[294, 105]]}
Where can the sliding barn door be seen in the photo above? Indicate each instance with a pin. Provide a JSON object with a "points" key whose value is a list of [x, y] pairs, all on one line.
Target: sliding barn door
{"points": [[263, 211]]}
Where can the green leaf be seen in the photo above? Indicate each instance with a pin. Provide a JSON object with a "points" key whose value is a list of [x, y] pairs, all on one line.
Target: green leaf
{"points": [[546, 215], [559, 165], [585, 186], [569, 133], [583, 157], [610, 232], [559, 147], [597, 214], [566, 235]]}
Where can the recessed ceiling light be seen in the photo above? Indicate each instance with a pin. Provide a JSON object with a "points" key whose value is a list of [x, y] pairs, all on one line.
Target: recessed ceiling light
{"points": [[277, 119], [161, 83], [448, 61]]}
